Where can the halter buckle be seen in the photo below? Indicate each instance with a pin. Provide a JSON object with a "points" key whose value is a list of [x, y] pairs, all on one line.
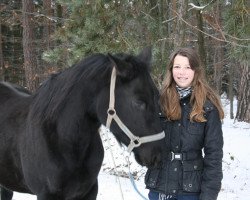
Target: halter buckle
{"points": [[136, 141], [111, 111]]}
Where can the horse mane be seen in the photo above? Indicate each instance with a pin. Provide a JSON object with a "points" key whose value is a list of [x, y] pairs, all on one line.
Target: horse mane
{"points": [[9, 89], [53, 94]]}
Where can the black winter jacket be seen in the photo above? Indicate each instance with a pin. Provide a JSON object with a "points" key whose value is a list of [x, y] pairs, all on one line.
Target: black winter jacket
{"points": [[196, 166]]}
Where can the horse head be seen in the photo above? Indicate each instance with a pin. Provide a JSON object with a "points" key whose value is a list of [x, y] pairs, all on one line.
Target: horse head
{"points": [[129, 107]]}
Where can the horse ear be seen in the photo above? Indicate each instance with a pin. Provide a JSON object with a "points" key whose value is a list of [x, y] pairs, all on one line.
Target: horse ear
{"points": [[123, 68], [146, 55]]}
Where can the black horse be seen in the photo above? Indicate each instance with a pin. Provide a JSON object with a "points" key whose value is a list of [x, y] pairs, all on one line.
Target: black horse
{"points": [[49, 141], [6, 194]]}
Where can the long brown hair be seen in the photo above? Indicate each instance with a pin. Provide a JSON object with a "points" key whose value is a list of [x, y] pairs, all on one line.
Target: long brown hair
{"points": [[201, 91]]}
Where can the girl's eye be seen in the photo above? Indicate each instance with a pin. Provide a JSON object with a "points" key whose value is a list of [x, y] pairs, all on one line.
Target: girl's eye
{"points": [[139, 104]]}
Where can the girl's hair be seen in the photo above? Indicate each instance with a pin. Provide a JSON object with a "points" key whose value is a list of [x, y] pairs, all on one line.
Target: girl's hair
{"points": [[201, 91]]}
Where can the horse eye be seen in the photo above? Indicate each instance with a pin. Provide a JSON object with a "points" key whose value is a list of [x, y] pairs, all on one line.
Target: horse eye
{"points": [[139, 104]]}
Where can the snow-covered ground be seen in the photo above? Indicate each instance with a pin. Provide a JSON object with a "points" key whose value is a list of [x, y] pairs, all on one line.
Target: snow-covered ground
{"points": [[236, 167]]}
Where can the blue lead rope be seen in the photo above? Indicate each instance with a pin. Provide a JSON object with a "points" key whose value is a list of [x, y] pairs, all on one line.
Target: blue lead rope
{"points": [[135, 187], [132, 179]]}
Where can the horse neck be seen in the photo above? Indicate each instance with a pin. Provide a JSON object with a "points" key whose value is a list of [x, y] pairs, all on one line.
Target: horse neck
{"points": [[67, 92]]}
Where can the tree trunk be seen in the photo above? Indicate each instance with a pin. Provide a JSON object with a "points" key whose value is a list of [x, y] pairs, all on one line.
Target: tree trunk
{"points": [[164, 46], [29, 47], [201, 43], [59, 14], [218, 66], [219, 50], [1, 55], [230, 89], [180, 36], [243, 108], [47, 27]]}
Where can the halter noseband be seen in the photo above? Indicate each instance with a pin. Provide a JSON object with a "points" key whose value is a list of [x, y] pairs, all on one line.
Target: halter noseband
{"points": [[135, 141]]}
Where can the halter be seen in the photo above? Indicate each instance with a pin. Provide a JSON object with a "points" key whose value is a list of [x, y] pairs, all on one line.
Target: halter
{"points": [[135, 141]]}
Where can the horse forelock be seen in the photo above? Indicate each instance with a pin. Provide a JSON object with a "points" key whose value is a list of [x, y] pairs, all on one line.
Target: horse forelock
{"points": [[139, 67]]}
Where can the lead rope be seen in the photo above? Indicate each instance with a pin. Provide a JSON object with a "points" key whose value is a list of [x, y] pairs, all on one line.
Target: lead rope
{"points": [[161, 195], [132, 179], [129, 171], [115, 168]]}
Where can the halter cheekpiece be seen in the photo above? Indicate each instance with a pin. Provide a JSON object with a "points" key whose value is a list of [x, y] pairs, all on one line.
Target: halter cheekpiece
{"points": [[135, 141]]}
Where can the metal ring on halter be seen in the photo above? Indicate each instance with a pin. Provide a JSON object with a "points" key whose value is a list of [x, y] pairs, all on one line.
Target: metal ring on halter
{"points": [[111, 111], [136, 141]]}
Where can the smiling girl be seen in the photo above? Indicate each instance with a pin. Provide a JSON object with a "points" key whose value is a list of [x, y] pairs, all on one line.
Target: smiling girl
{"points": [[191, 116]]}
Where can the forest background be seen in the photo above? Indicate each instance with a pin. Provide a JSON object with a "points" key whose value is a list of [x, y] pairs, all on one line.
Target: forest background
{"points": [[40, 37]]}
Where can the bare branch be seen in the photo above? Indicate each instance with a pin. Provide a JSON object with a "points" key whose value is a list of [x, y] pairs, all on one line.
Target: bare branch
{"points": [[200, 7], [196, 7], [169, 20], [207, 34]]}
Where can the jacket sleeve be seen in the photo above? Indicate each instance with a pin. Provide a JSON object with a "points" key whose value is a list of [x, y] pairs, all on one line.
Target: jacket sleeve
{"points": [[213, 153]]}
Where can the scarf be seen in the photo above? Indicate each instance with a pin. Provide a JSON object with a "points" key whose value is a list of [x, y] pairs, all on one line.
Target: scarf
{"points": [[183, 92]]}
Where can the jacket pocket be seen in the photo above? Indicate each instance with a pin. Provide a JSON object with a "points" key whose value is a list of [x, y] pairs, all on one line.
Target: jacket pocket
{"points": [[195, 128], [192, 175], [152, 177]]}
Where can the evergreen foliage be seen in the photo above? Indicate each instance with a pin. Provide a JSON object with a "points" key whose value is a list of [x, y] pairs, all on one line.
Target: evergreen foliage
{"points": [[238, 27], [105, 26]]}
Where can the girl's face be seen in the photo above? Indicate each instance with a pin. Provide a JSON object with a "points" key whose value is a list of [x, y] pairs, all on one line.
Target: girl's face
{"points": [[182, 72]]}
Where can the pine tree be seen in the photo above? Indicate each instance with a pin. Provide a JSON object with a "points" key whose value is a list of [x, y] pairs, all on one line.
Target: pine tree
{"points": [[238, 27]]}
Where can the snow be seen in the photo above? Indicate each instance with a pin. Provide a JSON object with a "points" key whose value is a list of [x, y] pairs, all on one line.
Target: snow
{"points": [[236, 166]]}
